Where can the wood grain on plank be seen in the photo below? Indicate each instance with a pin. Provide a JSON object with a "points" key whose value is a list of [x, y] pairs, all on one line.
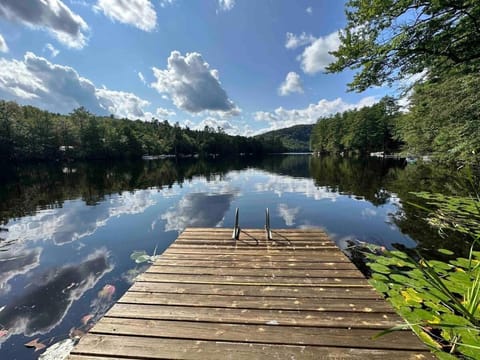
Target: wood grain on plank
{"points": [[322, 291], [323, 265], [253, 316], [189, 270], [160, 348], [256, 302], [251, 245], [270, 334], [259, 280], [310, 253], [261, 257]]}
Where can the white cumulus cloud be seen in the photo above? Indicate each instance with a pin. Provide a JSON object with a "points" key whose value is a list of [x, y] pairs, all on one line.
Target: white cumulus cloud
{"points": [[232, 128], [36, 81], [138, 13], [122, 104], [53, 51], [309, 10], [192, 85], [226, 5], [164, 113], [50, 15], [291, 84], [214, 123], [316, 57], [141, 77], [3, 45], [293, 41], [281, 118]]}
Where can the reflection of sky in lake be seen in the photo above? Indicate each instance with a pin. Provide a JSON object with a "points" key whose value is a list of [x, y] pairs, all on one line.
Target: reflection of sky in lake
{"points": [[49, 296], [69, 252]]}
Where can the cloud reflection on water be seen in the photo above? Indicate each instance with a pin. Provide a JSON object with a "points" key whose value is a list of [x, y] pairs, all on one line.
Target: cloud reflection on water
{"points": [[13, 264], [198, 210], [48, 298], [74, 220], [280, 184]]}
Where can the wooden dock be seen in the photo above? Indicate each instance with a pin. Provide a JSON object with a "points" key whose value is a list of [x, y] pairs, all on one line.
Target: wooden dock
{"points": [[296, 296]]}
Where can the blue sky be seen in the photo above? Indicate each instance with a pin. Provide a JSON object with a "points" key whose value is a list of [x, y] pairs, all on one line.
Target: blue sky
{"points": [[245, 65]]}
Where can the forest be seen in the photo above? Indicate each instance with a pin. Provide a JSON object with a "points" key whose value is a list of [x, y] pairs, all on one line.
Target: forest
{"points": [[431, 51], [293, 139], [369, 129], [29, 133]]}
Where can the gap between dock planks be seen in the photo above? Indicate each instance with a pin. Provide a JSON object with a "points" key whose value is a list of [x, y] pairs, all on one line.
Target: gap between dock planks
{"points": [[296, 296]]}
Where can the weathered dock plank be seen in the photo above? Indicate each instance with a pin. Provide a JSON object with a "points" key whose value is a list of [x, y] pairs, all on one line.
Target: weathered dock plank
{"points": [[256, 302], [319, 292], [210, 297]]}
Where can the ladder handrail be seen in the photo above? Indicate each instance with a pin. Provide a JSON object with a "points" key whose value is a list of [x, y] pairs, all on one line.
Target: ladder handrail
{"points": [[267, 225], [236, 227]]}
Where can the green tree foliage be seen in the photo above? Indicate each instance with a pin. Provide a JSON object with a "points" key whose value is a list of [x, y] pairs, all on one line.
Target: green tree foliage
{"points": [[388, 40], [28, 133], [292, 139], [444, 119], [369, 129]]}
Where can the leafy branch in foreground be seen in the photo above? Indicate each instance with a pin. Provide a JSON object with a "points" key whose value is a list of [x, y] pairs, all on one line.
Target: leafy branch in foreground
{"points": [[387, 40]]}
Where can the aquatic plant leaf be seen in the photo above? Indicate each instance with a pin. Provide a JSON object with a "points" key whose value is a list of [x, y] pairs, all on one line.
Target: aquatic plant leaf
{"points": [[441, 355], [399, 254], [35, 344], [427, 339], [463, 263], [142, 259], [411, 296], [379, 268], [397, 301], [439, 265], [379, 277], [402, 279], [445, 251], [137, 253], [380, 286], [452, 319], [422, 316]]}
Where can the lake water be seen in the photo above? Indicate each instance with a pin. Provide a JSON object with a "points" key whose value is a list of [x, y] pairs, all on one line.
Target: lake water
{"points": [[67, 231]]}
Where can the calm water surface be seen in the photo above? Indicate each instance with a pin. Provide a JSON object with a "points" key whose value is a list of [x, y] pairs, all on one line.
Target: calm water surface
{"points": [[67, 231]]}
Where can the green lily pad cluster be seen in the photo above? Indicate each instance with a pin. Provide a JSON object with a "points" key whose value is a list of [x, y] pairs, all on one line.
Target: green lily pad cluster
{"points": [[440, 301], [141, 256]]}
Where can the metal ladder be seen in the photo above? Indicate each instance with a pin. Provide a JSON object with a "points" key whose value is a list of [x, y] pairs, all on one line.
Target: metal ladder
{"points": [[236, 226]]}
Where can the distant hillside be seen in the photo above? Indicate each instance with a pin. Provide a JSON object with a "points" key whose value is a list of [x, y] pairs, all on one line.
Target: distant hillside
{"points": [[295, 138]]}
